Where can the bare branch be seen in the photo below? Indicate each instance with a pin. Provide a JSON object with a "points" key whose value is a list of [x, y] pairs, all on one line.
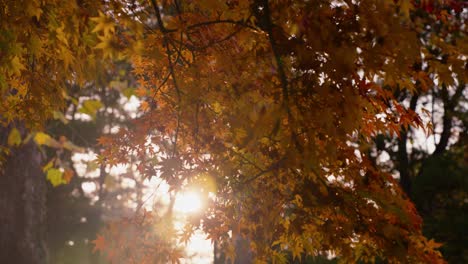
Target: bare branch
{"points": [[449, 107], [268, 27], [158, 17]]}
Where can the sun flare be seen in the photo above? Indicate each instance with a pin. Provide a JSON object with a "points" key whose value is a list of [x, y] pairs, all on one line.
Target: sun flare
{"points": [[188, 202]]}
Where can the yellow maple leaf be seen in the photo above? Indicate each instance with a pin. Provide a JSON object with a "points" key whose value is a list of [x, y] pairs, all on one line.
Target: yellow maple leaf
{"points": [[14, 138], [44, 139], [16, 66], [104, 24], [55, 177], [405, 8], [33, 9]]}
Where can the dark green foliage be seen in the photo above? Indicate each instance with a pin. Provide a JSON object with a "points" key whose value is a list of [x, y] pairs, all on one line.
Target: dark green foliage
{"points": [[440, 192], [72, 224]]}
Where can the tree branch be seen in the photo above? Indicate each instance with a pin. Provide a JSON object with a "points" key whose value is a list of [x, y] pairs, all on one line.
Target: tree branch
{"points": [[449, 107], [158, 17], [267, 25], [171, 71], [222, 21]]}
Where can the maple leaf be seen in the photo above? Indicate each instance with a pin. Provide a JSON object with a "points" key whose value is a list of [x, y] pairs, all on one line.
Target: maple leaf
{"points": [[14, 138], [144, 106], [296, 249], [91, 107], [16, 66], [55, 177], [104, 24], [42, 138], [99, 243], [141, 91], [431, 244], [68, 175], [175, 256], [104, 140]]}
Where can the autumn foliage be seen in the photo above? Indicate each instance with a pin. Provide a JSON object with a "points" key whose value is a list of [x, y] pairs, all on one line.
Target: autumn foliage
{"points": [[274, 103]]}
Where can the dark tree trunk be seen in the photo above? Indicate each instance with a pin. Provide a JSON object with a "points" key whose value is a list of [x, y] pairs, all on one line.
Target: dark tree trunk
{"points": [[404, 166], [22, 204], [403, 163], [243, 252], [242, 249]]}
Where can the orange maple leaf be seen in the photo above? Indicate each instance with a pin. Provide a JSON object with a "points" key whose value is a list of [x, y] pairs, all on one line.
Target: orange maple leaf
{"points": [[68, 175], [99, 243], [141, 91], [103, 140], [431, 244]]}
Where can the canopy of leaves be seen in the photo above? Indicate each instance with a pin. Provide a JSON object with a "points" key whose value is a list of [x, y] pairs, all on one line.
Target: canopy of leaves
{"points": [[270, 99], [43, 46]]}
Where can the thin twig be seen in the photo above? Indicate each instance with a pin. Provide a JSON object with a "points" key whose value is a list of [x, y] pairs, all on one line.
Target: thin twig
{"points": [[171, 70], [222, 21]]}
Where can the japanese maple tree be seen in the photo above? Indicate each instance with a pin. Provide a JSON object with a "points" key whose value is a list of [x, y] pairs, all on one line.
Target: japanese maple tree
{"points": [[268, 105], [274, 102]]}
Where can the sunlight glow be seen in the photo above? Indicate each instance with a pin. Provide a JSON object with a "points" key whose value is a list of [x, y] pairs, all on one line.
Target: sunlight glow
{"points": [[199, 249], [188, 202]]}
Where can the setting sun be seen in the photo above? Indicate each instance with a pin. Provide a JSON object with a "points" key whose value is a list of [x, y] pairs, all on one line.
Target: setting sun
{"points": [[188, 202]]}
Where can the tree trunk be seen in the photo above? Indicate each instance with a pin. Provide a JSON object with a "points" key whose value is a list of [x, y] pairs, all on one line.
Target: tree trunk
{"points": [[243, 252], [22, 204]]}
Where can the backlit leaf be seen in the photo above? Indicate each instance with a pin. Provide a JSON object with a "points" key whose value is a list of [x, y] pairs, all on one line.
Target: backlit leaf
{"points": [[55, 177], [90, 107], [42, 138], [14, 138], [99, 243]]}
